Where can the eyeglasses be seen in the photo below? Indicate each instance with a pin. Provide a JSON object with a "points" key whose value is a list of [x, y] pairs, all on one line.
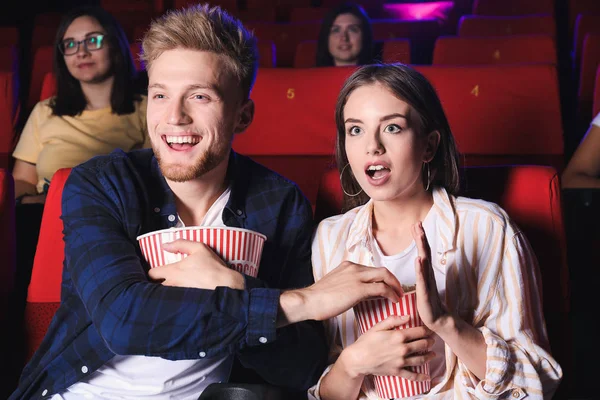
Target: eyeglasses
{"points": [[94, 42]]}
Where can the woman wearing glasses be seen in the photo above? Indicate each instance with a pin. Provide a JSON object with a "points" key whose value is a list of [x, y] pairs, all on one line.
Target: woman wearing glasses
{"points": [[95, 110]]}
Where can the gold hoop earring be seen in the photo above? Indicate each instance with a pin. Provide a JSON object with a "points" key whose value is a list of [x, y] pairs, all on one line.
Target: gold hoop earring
{"points": [[342, 183], [428, 176]]}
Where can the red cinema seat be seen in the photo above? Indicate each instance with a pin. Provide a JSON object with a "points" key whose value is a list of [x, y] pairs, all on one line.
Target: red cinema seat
{"points": [[119, 6], [597, 93], [7, 112], [9, 59], [396, 50], [268, 14], [306, 54], [9, 36], [498, 50], [576, 7], [385, 29], [266, 54], [293, 131], [42, 64], [478, 25], [43, 295], [285, 37], [531, 196], [512, 7], [584, 25], [590, 61], [502, 114], [8, 244], [48, 86], [304, 14], [44, 30], [229, 5]]}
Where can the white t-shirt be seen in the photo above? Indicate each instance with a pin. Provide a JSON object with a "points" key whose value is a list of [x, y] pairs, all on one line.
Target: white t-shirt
{"points": [[596, 121], [402, 265], [154, 378]]}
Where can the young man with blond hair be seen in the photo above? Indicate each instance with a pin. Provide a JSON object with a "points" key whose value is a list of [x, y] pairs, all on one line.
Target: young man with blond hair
{"points": [[124, 331]]}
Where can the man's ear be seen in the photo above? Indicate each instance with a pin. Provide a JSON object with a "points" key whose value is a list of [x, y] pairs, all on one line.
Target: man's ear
{"points": [[246, 116], [431, 146]]}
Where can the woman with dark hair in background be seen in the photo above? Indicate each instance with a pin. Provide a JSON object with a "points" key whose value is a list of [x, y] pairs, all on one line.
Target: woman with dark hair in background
{"points": [[346, 37], [95, 110], [476, 277]]}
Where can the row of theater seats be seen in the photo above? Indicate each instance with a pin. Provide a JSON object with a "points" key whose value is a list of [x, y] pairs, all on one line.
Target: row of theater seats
{"points": [[530, 194], [499, 114]]}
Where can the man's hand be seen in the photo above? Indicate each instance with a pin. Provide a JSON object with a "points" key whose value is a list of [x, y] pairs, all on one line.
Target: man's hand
{"points": [[201, 269], [338, 291]]}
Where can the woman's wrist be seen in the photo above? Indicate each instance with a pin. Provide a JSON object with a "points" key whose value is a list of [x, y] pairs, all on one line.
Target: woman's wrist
{"points": [[348, 365]]}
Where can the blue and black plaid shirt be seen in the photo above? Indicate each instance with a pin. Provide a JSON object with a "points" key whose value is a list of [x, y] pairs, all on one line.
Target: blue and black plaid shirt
{"points": [[109, 306]]}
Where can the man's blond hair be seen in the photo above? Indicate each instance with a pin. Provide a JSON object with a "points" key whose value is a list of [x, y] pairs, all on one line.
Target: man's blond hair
{"points": [[205, 28]]}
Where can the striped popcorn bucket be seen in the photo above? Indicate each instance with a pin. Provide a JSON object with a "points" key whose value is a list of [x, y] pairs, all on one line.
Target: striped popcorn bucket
{"points": [[370, 312], [240, 248]]}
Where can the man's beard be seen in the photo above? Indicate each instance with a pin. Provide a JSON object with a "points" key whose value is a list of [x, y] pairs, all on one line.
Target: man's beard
{"points": [[182, 173]]}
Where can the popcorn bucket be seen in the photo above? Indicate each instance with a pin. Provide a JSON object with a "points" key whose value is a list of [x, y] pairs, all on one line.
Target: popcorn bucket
{"points": [[370, 312], [240, 248]]}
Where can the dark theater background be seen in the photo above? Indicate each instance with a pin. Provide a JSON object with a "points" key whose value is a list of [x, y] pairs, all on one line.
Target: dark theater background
{"points": [[519, 80]]}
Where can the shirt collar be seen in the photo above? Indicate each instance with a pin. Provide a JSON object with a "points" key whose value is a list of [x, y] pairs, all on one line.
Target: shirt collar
{"points": [[163, 200], [443, 206]]}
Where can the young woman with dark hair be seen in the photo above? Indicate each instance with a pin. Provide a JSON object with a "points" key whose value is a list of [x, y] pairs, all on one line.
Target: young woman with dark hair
{"points": [[95, 110], [476, 277], [346, 37]]}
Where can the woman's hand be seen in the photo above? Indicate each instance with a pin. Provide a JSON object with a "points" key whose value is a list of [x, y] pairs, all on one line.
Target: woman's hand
{"points": [[385, 350], [430, 306]]}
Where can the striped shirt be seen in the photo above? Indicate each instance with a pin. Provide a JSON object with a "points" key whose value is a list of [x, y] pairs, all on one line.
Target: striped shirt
{"points": [[492, 282]]}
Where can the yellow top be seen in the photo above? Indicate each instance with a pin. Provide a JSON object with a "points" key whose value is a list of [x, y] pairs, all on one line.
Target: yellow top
{"points": [[53, 142]]}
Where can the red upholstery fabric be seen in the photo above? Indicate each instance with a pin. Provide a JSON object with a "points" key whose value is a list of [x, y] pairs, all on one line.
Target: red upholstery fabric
{"points": [[48, 86], [44, 30], [456, 50], [43, 295], [266, 54], [286, 37], [118, 6], [306, 54], [303, 14], [9, 36], [584, 24], [7, 244], [7, 107], [577, 7], [9, 59], [396, 50], [229, 5], [477, 25], [590, 61], [293, 131], [399, 29], [597, 93], [513, 7], [42, 64], [511, 113], [531, 196]]}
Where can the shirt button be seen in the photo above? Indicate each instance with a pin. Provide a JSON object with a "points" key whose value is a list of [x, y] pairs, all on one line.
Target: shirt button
{"points": [[45, 392], [171, 218], [262, 339], [516, 394], [156, 209], [202, 354], [239, 212], [443, 262], [84, 369]]}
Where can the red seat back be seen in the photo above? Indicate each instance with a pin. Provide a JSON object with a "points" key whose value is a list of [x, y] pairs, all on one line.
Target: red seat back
{"points": [[513, 7], [396, 50], [42, 64], [7, 242], [597, 93], [386, 29], [43, 295], [9, 36], [502, 114], [479, 25], [304, 14], [266, 54], [584, 25], [306, 54], [577, 7], [7, 109], [514, 49], [9, 59], [293, 131], [590, 61]]}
